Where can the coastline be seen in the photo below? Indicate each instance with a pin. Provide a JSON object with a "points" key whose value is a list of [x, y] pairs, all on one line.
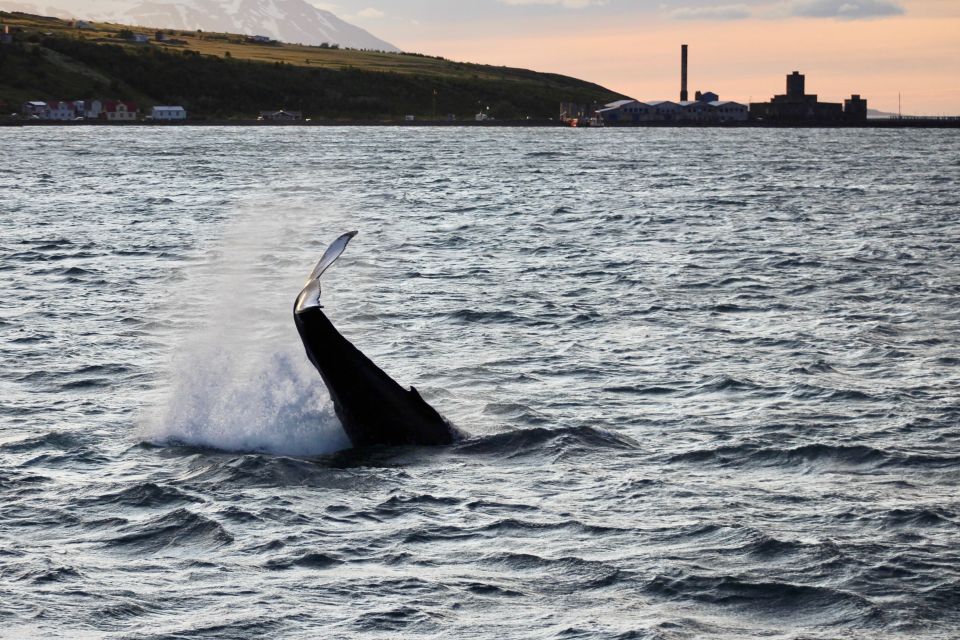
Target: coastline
{"points": [[907, 123]]}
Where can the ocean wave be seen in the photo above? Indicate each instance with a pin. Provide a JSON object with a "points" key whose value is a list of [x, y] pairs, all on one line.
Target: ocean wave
{"points": [[830, 607], [754, 455], [180, 528], [542, 440], [145, 495]]}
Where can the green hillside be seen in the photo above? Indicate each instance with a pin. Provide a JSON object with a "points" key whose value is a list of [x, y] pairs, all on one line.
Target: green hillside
{"points": [[219, 76]]}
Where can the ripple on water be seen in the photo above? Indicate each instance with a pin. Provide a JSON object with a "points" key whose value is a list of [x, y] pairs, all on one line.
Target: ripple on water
{"points": [[708, 383]]}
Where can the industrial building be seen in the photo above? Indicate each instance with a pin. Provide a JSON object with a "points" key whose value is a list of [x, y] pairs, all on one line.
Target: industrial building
{"points": [[799, 106], [706, 108], [662, 111]]}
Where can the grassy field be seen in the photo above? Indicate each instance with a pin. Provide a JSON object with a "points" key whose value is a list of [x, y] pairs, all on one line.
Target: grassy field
{"points": [[67, 65]]}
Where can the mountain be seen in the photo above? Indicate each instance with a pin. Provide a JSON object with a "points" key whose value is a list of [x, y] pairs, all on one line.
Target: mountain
{"points": [[294, 21], [876, 113]]}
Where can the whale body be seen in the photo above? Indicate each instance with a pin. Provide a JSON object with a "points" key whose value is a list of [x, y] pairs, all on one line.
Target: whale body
{"points": [[372, 407]]}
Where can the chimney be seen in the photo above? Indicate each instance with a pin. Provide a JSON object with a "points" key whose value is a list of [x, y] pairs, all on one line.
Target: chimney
{"points": [[683, 74]]}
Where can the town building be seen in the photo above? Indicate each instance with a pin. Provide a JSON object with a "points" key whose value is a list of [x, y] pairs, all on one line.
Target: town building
{"points": [[34, 109], [119, 111], [92, 109], [59, 110], [5, 36], [168, 113], [281, 115], [799, 106]]}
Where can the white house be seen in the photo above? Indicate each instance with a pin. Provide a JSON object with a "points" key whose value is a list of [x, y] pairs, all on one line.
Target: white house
{"points": [[92, 109], [118, 111], [58, 110], [168, 113]]}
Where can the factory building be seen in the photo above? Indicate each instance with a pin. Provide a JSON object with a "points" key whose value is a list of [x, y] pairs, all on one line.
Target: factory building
{"points": [[706, 108], [799, 106], [663, 111]]}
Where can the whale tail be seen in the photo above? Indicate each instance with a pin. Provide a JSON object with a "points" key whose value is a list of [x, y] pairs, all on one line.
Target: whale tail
{"points": [[309, 297]]}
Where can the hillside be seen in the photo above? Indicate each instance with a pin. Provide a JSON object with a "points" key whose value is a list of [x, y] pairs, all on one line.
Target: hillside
{"points": [[217, 75], [287, 20]]}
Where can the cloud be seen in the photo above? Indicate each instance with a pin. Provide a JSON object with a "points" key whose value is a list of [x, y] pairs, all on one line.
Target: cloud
{"points": [[371, 13], [838, 9], [845, 9], [721, 12], [569, 4]]}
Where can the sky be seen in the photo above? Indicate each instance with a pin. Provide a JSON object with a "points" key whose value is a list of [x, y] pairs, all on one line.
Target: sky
{"points": [[740, 49]]}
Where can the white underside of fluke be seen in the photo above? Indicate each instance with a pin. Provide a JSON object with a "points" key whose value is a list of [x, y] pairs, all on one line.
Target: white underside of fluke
{"points": [[309, 297]]}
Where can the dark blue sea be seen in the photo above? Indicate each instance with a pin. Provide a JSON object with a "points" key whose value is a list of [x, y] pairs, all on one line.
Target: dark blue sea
{"points": [[711, 382]]}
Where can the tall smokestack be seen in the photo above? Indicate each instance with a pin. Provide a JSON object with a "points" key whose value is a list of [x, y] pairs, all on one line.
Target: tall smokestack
{"points": [[683, 74]]}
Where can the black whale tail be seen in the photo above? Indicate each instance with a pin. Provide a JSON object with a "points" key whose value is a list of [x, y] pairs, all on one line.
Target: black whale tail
{"points": [[372, 407]]}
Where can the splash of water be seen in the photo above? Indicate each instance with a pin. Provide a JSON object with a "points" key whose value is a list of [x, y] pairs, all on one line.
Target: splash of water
{"points": [[240, 381]]}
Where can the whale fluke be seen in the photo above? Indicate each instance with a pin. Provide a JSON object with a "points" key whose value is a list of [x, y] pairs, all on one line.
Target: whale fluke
{"points": [[334, 251], [310, 295]]}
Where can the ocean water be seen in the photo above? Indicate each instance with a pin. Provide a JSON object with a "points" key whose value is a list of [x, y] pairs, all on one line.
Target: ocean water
{"points": [[711, 382]]}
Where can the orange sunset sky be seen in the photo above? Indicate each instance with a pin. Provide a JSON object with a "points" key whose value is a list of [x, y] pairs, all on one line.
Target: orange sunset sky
{"points": [[742, 51]]}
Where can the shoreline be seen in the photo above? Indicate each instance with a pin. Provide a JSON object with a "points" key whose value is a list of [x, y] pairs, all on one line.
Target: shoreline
{"points": [[918, 123]]}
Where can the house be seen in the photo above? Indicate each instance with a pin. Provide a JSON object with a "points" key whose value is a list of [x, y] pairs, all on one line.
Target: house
{"points": [[168, 113], [281, 116], [140, 38], [119, 111], [92, 109], [34, 109], [264, 39], [59, 110], [84, 24]]}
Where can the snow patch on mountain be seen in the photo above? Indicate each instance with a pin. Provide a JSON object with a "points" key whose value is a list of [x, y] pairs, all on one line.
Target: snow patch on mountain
{"points": [[294, 21]]}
